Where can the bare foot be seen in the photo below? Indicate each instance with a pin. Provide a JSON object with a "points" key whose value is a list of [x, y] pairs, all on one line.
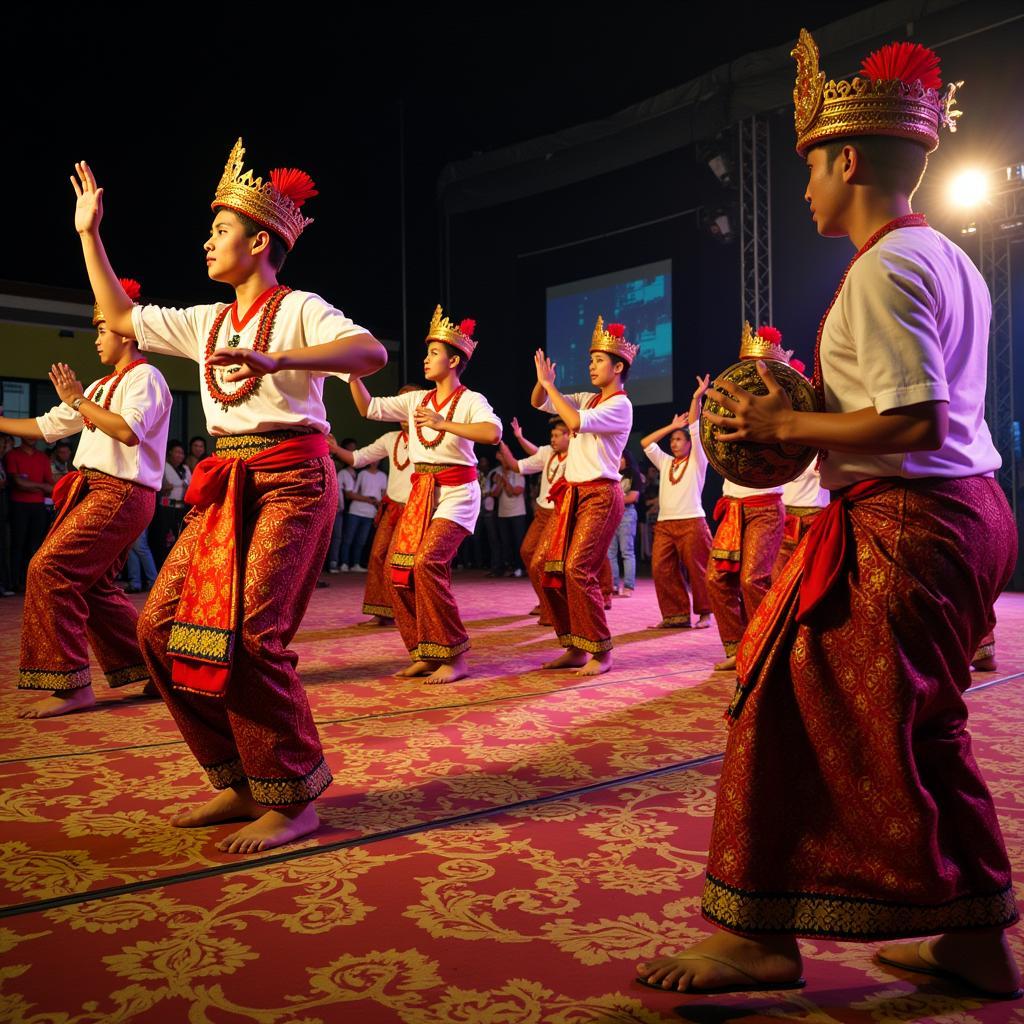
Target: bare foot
{"points": [[704, 622], [232, 804], [727, 961], [272, 828], [378, 620], [598, 665], [535, 610], [62, 702], [448, 673], [665, 624], [572, 658], [727, 665], [979, 960], [417, 668], [986, 664]]}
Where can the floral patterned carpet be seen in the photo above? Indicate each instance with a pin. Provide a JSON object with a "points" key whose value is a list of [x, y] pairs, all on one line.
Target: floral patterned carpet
{"points": [[504, 849]]}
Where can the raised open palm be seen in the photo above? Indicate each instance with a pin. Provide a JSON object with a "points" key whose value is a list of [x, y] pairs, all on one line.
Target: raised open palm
{"points": [[89, 208]]}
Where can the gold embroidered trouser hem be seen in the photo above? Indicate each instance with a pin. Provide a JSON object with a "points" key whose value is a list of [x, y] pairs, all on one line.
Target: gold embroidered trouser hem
{"points": [[40, 679], [581, 643], [272, 792]]}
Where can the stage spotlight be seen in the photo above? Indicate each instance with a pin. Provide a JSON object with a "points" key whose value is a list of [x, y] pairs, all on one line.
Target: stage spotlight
{"points": [[970, 188], [720, 227], [717, 158]]}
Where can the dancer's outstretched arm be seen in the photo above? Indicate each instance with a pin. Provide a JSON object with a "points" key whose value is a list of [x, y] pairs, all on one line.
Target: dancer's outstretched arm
{"points": [[545, 387], [528, 446]]}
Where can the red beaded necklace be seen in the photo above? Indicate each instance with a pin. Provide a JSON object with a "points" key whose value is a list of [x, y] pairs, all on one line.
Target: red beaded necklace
{"points": [[271, 300], [97, 392], [401, 466], [551, 470], [672, 478], [430, 398], [908, 220]]}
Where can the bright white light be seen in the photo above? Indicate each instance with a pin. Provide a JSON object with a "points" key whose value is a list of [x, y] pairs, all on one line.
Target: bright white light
{"points": [[968, 189]]}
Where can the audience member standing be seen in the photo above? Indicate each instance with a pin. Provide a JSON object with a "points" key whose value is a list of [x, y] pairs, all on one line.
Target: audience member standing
{"points": [[511, 519], [30, 482], [170, 506], [370, 487], [624, 540], [196, 452]]}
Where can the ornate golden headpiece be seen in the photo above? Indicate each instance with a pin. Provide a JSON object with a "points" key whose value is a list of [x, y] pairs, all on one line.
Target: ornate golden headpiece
{"points": [[273, 204], [897, 93], [132, 289], [765, 343], [442, 329], [613, 341]]}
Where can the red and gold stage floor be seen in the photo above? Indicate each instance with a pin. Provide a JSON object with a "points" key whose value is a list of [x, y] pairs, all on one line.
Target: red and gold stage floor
{"points": [[504, 849]]}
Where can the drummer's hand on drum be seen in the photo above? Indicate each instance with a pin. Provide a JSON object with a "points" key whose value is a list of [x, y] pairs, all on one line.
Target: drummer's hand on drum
{"points": [[761, 418]]}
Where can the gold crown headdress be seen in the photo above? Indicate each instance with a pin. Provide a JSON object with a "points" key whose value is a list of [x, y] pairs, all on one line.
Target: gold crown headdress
{"points": [[273, 204], [764, 343], [613, 341], [132, 289], [897, 93], [442, 329]]}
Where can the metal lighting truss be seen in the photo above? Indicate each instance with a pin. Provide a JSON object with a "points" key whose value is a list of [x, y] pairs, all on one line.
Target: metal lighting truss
{"points": [[755, 220]]}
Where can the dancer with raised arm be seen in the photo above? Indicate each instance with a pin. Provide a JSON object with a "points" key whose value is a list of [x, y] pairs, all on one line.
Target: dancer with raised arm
{"points": [[682, 540], [232, 592], [850, 805], [71, 600], [590, 507], [443, 424]]}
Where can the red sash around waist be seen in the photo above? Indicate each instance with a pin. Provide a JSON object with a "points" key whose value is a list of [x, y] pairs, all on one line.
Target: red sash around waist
{"points": [[728, 543], [205, 624], [566, 497], [419, 510], [68, 491]]}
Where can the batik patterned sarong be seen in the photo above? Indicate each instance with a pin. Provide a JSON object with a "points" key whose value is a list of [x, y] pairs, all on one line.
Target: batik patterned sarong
{"points": [[850, 804], [261, 731], [798, 521], [541, 518], [71, 599], [680, 554], [754, 528]]}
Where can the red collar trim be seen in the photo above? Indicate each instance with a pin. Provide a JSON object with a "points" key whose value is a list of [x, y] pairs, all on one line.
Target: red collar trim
{"points": [[599, 398], [239, 325], [432, 397]]}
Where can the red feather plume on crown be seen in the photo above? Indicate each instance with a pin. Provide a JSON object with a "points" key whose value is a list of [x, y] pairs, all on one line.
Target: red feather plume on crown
{"points": [[798, 364], [907, 62], [297, 185], [770, 334], [468, 327], [616, 330], [131, 287]]}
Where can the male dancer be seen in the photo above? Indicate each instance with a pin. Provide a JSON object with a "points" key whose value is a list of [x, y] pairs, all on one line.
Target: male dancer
{"points": [[231, 593], [750, 522], [682, 540], [590, 508], [102, 506], [549, 461], [443, 425], [850, 805], [379, 595]]}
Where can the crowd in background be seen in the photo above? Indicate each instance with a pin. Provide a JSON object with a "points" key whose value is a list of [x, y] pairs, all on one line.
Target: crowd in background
{"points": [[28, 475]]}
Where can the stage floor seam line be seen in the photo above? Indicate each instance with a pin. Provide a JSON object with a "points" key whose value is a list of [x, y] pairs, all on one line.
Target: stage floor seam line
{"points": [[359, 718], [38, 906]]}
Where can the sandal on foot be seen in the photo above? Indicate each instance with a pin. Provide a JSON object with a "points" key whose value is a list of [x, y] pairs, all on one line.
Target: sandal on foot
{"points": [[754, 985], [927, 964]]}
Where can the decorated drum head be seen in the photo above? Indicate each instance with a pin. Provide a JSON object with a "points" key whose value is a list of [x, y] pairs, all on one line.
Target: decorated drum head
{"points": [[750, 463]]}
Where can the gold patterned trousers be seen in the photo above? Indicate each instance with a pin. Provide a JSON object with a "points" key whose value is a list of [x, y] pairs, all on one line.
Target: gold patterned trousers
{"points": [[735, 596], [379, 595], [850, 804], [680, 553], [576, 610], [426, 614], [798, 520], [70, 596], [262, 730], [528, 549]]}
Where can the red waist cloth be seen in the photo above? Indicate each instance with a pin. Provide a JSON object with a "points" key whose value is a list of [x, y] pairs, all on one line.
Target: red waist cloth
{"points": [[728, 542], [206, 622], [565, 495], [67, 493], [419, 510]]}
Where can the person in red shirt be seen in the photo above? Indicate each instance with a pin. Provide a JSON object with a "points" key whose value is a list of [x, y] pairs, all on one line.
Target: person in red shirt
{"points": [[29, 482]]}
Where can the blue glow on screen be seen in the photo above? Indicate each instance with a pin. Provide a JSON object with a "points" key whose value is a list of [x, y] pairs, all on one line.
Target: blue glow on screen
{"points": [[640, 298]]}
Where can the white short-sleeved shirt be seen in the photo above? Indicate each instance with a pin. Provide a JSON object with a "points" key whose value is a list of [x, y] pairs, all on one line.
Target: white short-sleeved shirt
{"points": [[178, 484], [551, 465], [512, 505], [372, 484], [460, 504], [806, 490], [346, 482], [291, 399], [911, 325], [595, 449], [680, 500], [143, 401], [392, 448]]}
